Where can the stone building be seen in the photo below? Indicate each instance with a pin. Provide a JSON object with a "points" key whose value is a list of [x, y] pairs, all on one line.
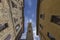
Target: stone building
{"points": [[29, 32], [11, 19], [48, 19]]}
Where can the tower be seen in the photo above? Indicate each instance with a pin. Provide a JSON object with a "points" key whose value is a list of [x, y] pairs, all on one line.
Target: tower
{"points": [[29, 32]]}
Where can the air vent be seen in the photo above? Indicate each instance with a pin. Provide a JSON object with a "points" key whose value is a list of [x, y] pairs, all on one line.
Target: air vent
{"points": [[55, 19]]}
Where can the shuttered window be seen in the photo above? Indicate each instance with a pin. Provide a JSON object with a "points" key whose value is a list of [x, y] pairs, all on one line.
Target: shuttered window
{"points": [[3, 26], [51, 37], [17, 27], [55, 19]]}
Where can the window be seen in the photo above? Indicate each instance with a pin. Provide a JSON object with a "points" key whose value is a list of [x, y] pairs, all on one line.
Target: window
{"points": [[0, 0], [16, 0], [13, 5], [41, 26], [6, 24], [3, 26], [20, 8], [42, 16], [15, 20], [55, 19], [17, 27], [20, 17], [21, 3], [8, 37], [50, 36], [29, 31]]}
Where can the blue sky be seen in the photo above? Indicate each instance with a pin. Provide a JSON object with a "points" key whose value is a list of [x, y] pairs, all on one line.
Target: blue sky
{"points": [[30, 11], [30, 16]]}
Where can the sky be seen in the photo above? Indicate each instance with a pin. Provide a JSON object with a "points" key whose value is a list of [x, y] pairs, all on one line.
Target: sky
{"points": [[30, 7]]}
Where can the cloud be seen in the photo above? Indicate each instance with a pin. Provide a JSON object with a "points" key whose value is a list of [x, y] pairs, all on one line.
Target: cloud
{"points": [[36, 38], [25, 24], [34, 34], [30, 20], [34, 31], [23, 36]]}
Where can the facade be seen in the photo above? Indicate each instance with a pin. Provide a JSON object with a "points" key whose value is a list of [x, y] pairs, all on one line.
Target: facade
{"points": [[48, 19], [11, 19], [29, 32]]}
